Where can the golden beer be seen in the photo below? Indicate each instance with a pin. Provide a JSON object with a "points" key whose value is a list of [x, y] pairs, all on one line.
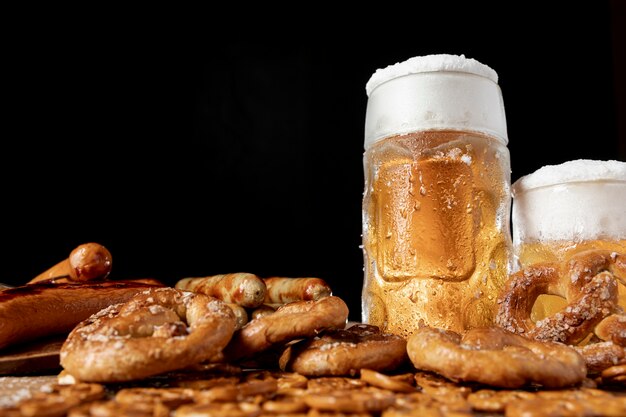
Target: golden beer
{"points": [[436, 239]]}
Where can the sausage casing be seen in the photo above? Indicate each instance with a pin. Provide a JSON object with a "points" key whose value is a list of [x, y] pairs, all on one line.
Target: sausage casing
{"points": [[281, 290], [247, 290], [43, 309]]}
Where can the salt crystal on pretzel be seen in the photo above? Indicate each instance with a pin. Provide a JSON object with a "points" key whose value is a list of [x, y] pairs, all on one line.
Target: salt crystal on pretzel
{"points": [[587, 281], [157, 331], [495, 357], [338, 352], [299, 319]]}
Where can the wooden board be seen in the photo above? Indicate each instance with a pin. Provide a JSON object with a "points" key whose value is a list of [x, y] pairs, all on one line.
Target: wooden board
{"points": [[37, 357]]}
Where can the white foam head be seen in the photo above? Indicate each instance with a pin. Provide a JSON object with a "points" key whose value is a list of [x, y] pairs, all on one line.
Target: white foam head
{"points": [[577, 200], [440, 91]]}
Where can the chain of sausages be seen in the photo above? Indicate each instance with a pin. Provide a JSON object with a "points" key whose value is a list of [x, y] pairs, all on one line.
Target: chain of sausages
{"points": [[251, 296]]}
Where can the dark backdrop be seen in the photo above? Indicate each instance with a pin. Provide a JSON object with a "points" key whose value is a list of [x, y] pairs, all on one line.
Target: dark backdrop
{"points": [[199, 155]]}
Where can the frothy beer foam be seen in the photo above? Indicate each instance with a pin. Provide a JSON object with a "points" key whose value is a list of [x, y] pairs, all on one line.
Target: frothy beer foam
{"points": [[577, 200], [434, 92], [430, 63]]}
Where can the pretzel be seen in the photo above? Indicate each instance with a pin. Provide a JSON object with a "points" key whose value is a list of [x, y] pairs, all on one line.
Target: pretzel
{"points": [[245, 390], [420, 404], [296, 320], [222, 409], [285, 404], [156, 331], [587, 281], [495, 401], [368, 399], [612, 328], [334, 383], [602, 355], [58, 399], [437, 386], [614, 375], [113, 408], [169, 397], [604, 405], [339, 352], [376, 379], [495, 357]]}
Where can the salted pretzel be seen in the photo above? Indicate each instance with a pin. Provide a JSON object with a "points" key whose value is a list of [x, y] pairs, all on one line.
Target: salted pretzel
{"points": [[495, 357], [587, 281], [612, 328], [338, 352], [296, 320], [156, 331], [602, 355]]}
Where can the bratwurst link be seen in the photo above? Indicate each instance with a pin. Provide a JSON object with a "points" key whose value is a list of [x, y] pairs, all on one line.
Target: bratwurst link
{"points": [[44, 309], [245, 289], [87, 262]]}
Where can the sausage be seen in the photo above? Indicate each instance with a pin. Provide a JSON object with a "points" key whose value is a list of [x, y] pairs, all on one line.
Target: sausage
{"points": [[247, 290], [241, 315], [44, 309], [262, 310], [86, 262], [281, 290]]}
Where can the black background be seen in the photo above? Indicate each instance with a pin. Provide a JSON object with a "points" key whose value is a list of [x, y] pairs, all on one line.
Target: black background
{"points": [[198, 154]]}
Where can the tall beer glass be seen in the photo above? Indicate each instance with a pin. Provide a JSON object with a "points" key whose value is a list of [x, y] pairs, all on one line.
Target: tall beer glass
{"points": [[436, 205], [560, 210]]}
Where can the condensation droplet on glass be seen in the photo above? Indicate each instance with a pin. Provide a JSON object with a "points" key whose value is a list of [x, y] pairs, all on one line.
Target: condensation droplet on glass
{"points": [[423, 190], [417, 206], [454, 153], [450, 264]]}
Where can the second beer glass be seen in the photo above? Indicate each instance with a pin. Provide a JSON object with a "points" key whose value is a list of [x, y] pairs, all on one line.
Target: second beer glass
{"points": [[561, 210]]}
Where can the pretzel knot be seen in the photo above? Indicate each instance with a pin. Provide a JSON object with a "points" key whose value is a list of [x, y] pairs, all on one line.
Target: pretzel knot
{"points": [[156, 331], [496, 357], [587, 281]]}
